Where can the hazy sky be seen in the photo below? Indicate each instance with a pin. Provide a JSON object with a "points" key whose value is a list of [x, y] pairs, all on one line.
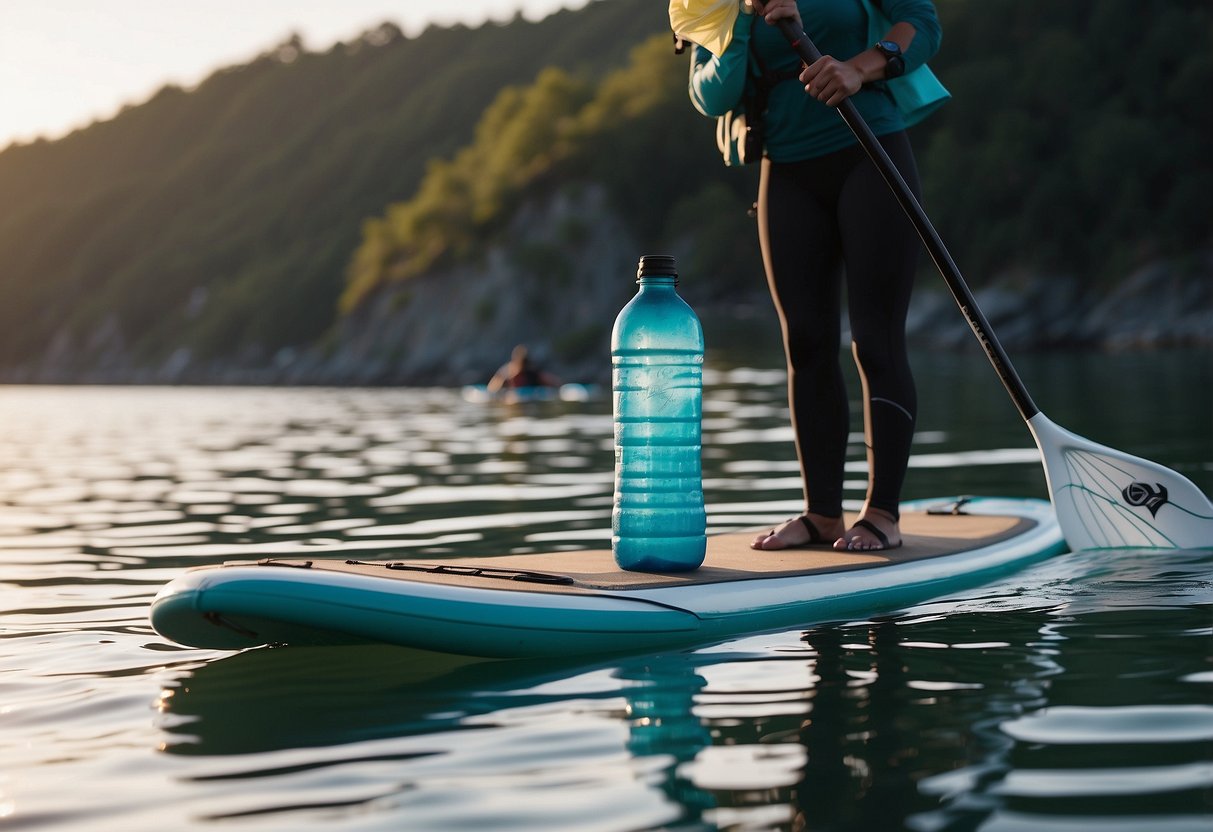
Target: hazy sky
{"points": [[65, 63]]}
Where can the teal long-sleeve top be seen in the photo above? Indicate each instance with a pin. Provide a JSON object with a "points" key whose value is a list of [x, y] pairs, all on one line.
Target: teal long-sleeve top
{"points": [[799, 126]]}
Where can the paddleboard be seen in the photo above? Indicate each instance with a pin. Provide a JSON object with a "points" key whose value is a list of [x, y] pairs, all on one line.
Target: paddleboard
{"points": [[513, 395], [581, 603]]}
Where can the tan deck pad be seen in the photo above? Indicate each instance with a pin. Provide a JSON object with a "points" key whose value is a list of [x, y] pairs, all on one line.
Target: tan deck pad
{"points": [[729, 558]]}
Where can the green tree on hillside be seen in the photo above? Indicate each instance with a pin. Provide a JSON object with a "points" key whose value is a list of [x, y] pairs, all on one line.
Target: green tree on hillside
{"points": [[1073, 145], [520, 137], [634, 133]]}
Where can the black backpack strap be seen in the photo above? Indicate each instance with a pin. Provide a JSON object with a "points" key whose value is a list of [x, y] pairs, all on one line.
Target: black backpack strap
{"points": [[765, 79]]}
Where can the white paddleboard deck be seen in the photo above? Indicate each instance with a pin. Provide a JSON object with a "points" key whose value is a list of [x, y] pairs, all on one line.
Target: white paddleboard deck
{"points": [[581, 603]]}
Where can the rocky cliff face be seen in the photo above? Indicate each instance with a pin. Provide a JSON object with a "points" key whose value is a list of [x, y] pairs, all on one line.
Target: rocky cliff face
{"points": [[559, 275], [554, 282], [1160, 305], [458, 326]]}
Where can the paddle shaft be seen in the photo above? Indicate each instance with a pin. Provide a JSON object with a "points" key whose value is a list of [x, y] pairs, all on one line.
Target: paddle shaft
{"points": [[930, 238]]}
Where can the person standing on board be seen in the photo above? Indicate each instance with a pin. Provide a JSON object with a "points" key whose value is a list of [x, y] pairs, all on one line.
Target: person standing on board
{"points": [[824, 210]]}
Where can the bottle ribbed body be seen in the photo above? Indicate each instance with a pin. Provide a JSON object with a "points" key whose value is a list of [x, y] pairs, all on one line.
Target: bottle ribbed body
{"points": [[658, 522]]}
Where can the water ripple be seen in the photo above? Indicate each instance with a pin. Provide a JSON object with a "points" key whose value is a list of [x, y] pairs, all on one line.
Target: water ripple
{"points": [[1114, 725]]}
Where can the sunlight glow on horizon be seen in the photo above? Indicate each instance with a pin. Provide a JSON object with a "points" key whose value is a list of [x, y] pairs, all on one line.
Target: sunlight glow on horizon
{"points": [[65, 64]]}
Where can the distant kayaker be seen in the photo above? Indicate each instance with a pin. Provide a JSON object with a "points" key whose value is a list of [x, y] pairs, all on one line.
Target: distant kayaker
{"points": [[520, 371]]}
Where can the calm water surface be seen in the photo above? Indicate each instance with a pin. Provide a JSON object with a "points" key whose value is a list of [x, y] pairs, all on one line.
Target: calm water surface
{"points": [[1077, 695]]}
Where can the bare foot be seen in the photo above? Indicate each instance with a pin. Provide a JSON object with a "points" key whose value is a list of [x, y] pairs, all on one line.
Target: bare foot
{"points": [[806, 530], [874, 531]]}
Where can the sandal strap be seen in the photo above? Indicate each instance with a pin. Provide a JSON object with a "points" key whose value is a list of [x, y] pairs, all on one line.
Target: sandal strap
{"points": [[814, 534], [875, 530]]}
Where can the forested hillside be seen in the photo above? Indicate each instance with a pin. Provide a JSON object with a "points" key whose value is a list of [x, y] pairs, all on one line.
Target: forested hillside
{"points": [[257, 215], [1078, 139], [219, 220]]}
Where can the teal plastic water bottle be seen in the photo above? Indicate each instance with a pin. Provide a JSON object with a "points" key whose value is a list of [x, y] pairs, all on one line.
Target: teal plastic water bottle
{"points": [[658, 523]]}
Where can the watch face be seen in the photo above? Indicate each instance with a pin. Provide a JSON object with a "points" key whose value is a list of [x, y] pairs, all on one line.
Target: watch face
{"points": [[889, 47]]}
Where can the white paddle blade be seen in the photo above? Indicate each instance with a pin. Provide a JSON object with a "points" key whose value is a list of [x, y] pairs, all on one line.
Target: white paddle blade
{"points": [[708, 23], [1107, 499]]}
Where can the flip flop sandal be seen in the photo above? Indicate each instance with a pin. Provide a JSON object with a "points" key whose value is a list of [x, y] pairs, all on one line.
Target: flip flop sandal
{"points": [[815, 538], [874, 530]]}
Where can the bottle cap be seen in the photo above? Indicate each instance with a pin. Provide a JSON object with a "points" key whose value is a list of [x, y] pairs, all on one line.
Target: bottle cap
{"points": [[652, 265]]}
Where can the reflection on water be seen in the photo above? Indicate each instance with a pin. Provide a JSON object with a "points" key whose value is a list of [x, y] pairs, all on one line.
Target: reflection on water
{"points": [[1075, 695]]}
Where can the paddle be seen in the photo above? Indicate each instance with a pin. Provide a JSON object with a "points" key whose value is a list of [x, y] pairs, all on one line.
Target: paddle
{"points": [[1104, 498]]}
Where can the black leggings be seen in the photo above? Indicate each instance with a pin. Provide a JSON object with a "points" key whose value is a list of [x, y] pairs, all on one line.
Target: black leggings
{"points": [[814, 217]]}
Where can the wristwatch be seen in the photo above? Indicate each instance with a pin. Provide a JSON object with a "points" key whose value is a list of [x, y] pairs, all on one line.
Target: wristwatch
{"points": [[896, 65]]}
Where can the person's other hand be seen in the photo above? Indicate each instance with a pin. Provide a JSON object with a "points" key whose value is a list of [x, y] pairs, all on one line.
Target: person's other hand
{"points": [[776, 10]]}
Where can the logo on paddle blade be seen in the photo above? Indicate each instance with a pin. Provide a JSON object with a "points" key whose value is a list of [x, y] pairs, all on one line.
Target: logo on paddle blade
{"points": [[1141, 494]]}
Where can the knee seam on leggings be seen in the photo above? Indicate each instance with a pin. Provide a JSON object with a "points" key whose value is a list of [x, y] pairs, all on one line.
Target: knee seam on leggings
{"points": [[907, 413]]}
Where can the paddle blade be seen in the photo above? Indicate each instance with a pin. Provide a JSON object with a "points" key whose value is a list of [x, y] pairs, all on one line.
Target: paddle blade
{"points": [[708, 23], [1105, 498]]}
